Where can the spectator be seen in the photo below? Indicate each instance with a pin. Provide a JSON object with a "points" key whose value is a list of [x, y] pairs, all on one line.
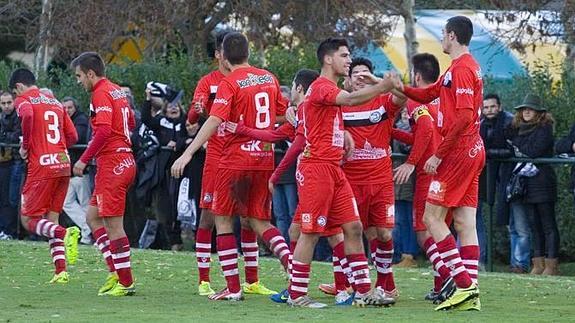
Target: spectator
{"points": [[79, 193], [494, 121], [531, 134], [566, 145], [169, 127], [284, 198], [11, 167], [404, 239]]}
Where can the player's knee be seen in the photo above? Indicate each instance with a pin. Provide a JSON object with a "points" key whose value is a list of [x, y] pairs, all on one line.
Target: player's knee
{"points": [[464, 224], [353, 230], [206, 220], [335, 239], [24, 220], [384, 234], [293, 232]]}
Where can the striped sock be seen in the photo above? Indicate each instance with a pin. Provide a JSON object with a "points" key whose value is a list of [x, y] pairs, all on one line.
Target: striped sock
{"points": [[277, 244], [58, 253], [203, 253], [46, 228], [292, 245], [358, 266], [103, 244], [373, 250], [228, 255], [251, 253], [347, 271], [299, 281], [384, 258], [339, 276], [470, 259], [441, 273], [450, 256], [120, 249]]}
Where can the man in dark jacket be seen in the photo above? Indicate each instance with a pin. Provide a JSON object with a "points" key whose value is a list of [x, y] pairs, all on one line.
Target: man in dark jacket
{"points": [[494, 121], [11, 167], [566, 145], [78, 196]]}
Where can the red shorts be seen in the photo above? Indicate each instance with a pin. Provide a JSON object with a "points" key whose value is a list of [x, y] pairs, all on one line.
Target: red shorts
{"points": [[242, 192], [457, 180], [326, 200], [42, 196], [115, 174], [208, 179], [376, 204], [327, 233], [422, 181]]}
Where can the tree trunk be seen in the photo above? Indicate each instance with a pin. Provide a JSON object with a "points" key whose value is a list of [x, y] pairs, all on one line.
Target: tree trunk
{"points": [[568, 18], [409, 33], [42, 56]]}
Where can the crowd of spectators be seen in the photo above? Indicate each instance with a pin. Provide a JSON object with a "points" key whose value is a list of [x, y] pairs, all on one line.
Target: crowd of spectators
{"points": [[154, 216]]}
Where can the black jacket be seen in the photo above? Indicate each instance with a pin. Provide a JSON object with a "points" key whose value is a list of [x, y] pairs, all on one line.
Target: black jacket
{"points": [[535, 142], [565, 146], [82, 125], [10, 132], [492, 188]]}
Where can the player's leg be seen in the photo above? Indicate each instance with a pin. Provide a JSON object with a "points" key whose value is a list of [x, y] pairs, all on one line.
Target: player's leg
{"points": [[384, 258], [102, 242], [204, 251], [341, 271], [465, 222], [228, 256], [120, 250], [299, 281], [58, 253], [250, 250]]}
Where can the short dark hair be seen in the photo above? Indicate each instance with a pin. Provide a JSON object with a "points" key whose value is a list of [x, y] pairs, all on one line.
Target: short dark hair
{"points": [[5, 93], [492, 96], [220, 39], [90, 61], [361, 61], [305, 78], [236, 48], [73, 100], [21, 75], [462, 27], [330, 46], [427, 66]]}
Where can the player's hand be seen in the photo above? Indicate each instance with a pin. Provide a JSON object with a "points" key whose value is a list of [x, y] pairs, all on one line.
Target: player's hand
{"points": [[79, 167], [178, 166], [402, 172], [348, 145], [431, 165], [347, 84], [172, 144], [291, 115], [368, 78], [23, 153], [199, 105], [271, 187]]}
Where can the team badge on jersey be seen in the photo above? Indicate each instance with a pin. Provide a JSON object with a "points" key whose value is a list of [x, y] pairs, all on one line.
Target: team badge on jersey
{"points": [[208, 198], [375, 117], [322, 221]]}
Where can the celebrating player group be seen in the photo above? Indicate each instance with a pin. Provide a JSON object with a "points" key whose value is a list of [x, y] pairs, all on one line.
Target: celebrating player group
{"points": [[341, 141]]}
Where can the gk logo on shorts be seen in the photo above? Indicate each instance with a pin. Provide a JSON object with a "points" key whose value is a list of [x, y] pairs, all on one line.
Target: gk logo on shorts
{"points": [[474, 151], [123, 165]]}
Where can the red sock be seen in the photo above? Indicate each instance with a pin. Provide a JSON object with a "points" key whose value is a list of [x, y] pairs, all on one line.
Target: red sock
{"points": [[277, 244], [384, 258], [46, 228], [450, 256], [58, 253], [292, 245], [358, 266], [228, 255], [103, 244], [470, 259], [204, 253], [440, 272], [299, 279], [120, 249], [373, 250], [251, 253], [339, 276], [347, 271]]}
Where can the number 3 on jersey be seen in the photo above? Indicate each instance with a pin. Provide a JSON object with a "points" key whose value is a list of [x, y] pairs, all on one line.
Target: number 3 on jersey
{"points": [[263, 110], [53, 135]]}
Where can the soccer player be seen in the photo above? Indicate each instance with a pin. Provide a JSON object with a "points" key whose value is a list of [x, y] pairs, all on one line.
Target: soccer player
{"points": [[424, 139], [253, 95], [369, 170], [112, 120], [326, 198], [457, 163], [47, 132]]}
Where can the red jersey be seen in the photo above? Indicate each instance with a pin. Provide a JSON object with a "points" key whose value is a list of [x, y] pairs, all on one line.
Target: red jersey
{"points": [[206, 93], [109, 107], [322, 123], [254, 95], [370, 125], [425, 131], [46, 133]]}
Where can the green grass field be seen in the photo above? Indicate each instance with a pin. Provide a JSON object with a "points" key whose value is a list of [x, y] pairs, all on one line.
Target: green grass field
{"points": [[166, 291]]}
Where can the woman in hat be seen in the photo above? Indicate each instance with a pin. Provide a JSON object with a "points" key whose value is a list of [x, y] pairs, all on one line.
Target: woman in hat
{"points": [[531, 134]]}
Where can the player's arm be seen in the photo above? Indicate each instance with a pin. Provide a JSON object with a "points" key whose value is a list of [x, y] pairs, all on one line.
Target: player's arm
{"points": [[422, 95], [290, 157], [70, 132], [403, 136], [365, 94], [419, 146], [201, 97], [26, 114], [103, 131], [259, 134]]}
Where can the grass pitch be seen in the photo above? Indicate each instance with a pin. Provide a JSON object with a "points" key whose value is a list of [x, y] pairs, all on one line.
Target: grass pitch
{"points": [[167, 292]]}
